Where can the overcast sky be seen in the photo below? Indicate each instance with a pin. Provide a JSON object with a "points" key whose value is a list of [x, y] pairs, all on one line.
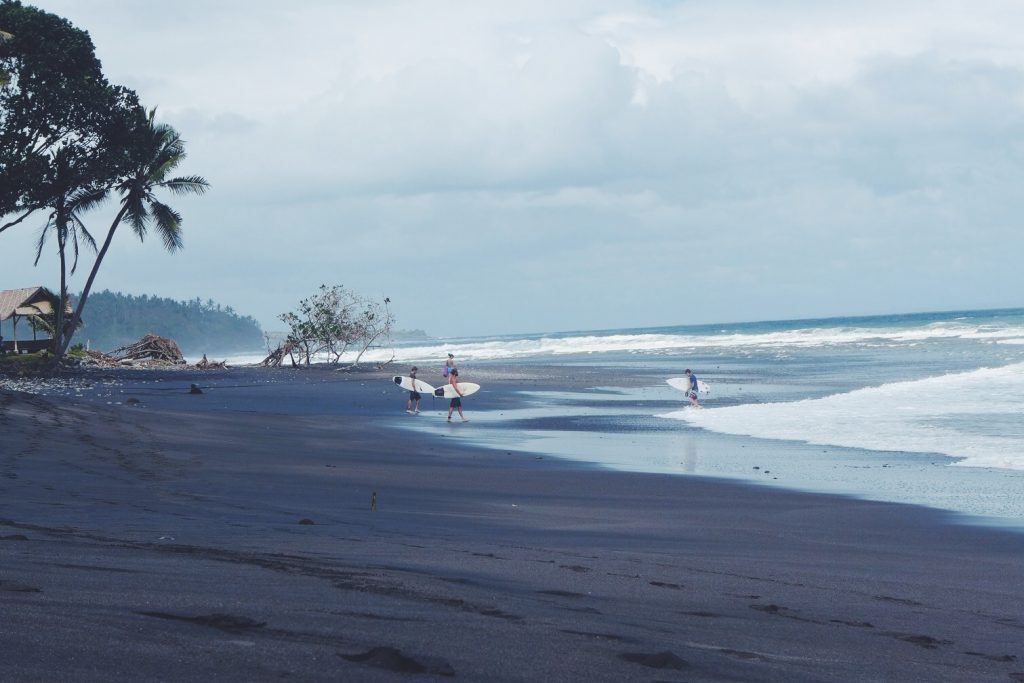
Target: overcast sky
{"points": [[498, 167]]}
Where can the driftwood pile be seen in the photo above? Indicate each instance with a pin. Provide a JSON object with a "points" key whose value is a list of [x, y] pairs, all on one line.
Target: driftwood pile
{"points": [[149, 349]]}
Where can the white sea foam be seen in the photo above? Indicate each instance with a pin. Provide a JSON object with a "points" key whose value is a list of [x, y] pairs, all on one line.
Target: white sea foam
{"points": [[976, 416], [555, 345]]}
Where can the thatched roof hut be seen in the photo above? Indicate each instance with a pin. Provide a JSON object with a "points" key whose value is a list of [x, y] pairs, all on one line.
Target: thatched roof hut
{"points": [[27, 302]]}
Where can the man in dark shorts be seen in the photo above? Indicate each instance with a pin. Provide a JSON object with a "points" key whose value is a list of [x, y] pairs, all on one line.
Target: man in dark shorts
{"points": [[694, 387], [456, 403], [413, 406]]}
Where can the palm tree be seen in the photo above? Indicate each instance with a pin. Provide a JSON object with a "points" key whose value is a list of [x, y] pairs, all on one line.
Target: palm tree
{"points": [[71, 196], [158, 150]]}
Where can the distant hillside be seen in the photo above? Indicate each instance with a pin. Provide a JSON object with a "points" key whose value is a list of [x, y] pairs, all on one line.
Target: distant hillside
{"points": [[113, 319]]}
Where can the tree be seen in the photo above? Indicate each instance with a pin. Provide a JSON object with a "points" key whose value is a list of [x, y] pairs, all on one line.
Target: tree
{"points": [[68, 202], [56, 99], [115, 319], [335, 321], [64, 133], [376, 322], [156, 150]]}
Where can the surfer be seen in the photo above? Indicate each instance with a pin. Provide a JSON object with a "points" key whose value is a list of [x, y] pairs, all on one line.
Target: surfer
{"points": [[449, 364], [456, 403], [413, 407], [692, 393]]}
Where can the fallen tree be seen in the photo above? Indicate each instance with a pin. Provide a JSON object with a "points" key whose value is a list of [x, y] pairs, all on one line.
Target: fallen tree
{"points": [[276, 357]]}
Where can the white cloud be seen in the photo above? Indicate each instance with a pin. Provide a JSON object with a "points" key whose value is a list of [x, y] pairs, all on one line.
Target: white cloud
{"points": [[786, 158]]}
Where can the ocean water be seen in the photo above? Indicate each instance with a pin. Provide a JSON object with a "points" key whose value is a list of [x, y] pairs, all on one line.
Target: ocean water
{"points": [[944, 383], [922, 408]]}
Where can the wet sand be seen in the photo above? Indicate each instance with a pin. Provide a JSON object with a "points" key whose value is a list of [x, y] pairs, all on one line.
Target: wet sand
{"points": [[230, 536]]}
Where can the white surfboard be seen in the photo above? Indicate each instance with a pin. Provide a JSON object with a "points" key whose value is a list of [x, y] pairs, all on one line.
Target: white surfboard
{"points": [[448, 391], [409, 384], [683, 385]]}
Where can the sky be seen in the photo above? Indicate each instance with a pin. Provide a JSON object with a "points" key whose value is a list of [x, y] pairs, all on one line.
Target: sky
{"points": [[497, 167]]}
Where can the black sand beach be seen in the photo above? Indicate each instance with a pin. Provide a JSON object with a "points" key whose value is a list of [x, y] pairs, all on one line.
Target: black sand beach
{"points": [[163, 538]]}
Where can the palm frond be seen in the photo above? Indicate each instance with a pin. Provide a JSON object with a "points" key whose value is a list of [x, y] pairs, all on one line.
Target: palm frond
{"points": [[80, 229], [137, 214], [164, 163], [74, 251], [41, 241], [168, 224], [192, 184], [87, 199]]}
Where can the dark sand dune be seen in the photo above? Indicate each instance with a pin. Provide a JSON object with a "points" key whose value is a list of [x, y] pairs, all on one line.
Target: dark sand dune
{"points": [[162, 541]]}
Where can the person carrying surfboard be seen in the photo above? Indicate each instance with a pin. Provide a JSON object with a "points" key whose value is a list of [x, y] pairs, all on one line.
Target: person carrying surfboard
{"points": [[456, 403], [413, 407], [692, 393]]}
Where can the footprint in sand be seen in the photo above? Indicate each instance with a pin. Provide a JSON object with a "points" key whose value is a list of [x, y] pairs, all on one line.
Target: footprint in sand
{"points": [[656, 660], [393, 659]]}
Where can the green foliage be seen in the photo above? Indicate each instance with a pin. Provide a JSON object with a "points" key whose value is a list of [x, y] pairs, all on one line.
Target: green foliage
{"points": [[56, 99], [115, 319], [25, 363], [335, 320], [66, 134]]}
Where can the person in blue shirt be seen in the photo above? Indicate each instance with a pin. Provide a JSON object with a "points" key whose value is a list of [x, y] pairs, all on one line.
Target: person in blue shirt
{"points": [[692, 393]]}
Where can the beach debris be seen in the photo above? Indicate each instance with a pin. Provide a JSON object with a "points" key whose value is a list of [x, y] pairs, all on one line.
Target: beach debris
{"points": [[149, 350], [206, 364], [98, 358], [194, 389], [306, 520], [373, 502]]}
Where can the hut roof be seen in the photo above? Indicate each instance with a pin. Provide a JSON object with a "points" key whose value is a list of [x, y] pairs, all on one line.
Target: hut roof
{"points": [[26, 301]]}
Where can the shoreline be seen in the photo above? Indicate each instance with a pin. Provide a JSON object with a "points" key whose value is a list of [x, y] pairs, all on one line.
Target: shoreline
{"points": [[591, 410], [177, 520]]}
